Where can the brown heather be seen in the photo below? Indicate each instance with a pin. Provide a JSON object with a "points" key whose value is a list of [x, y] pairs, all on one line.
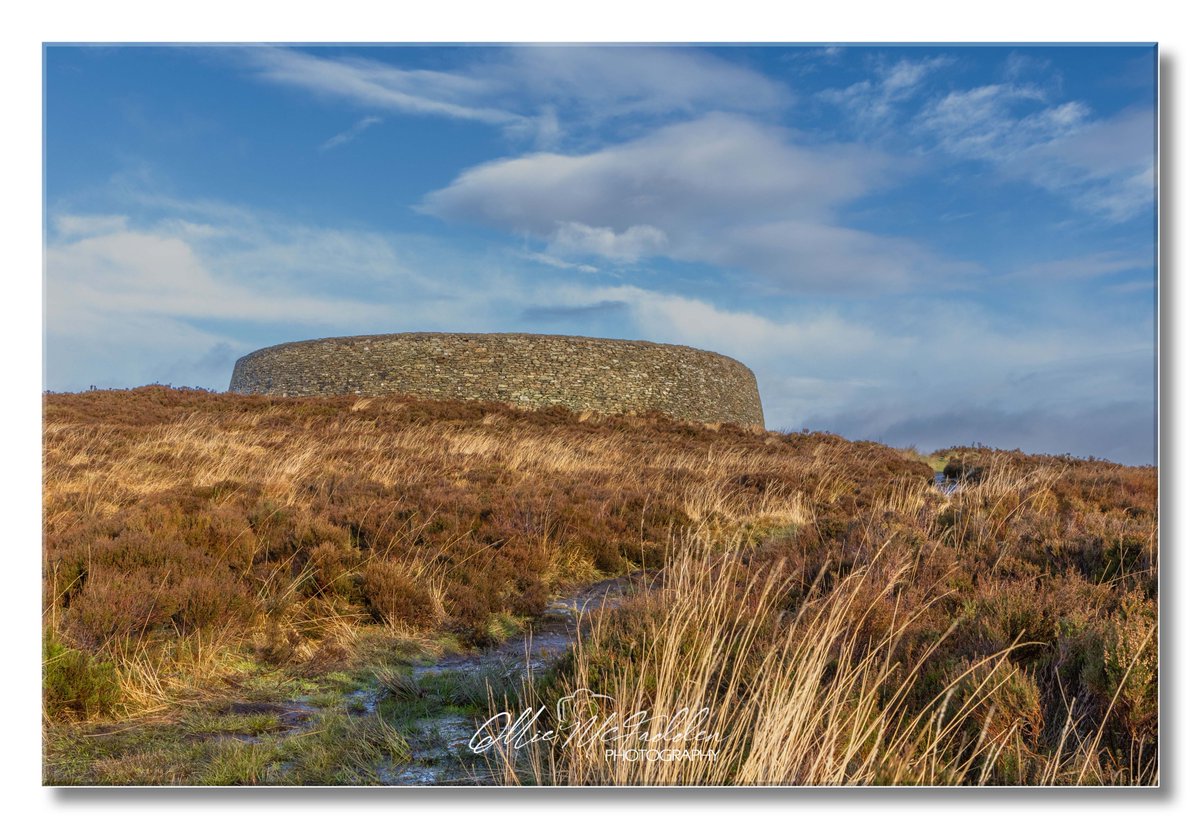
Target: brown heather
{"points": [[848, 622]]}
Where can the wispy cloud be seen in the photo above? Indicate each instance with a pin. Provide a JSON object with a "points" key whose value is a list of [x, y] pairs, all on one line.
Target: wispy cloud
{"points": [[618, 81], [1020, 66], [986, 122], [360, 126], [144, 298], [1105, 166], [380, 85], [529, 91], [1089, 266], [805, 60], [873, 102], [1019, 126], [68, 226], [556, 262]]}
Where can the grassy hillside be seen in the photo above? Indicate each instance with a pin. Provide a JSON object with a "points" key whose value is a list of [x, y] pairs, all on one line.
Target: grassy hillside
{"points": [[854, 623]]}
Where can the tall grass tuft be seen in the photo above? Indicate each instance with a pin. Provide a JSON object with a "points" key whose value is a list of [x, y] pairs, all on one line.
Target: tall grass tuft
{"points": [[800, 688]]}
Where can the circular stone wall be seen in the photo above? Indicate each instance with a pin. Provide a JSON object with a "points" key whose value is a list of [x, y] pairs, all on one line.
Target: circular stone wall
{"points": [[608, 375]]}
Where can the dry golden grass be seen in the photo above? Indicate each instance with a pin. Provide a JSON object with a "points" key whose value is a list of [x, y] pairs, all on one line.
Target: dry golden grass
{"points": [[796, 691], [861, 610], [174, 515]]}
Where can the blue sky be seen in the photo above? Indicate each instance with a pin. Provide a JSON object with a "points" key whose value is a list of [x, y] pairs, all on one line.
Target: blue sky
{"points": [[919, 245]]}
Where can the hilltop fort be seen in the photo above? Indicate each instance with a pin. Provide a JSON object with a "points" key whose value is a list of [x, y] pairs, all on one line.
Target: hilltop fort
{"points": [[527, 370]]}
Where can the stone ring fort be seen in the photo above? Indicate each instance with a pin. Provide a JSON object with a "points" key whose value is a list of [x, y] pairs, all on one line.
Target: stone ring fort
{"points": [[612, 376]]}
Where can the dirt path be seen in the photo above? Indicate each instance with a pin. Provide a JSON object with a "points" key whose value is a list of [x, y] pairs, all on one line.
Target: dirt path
{"points": [[551, 636], [438, 742]]}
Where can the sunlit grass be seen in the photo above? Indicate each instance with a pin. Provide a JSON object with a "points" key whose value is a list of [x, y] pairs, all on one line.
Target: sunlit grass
{"points": [[201, 547]]}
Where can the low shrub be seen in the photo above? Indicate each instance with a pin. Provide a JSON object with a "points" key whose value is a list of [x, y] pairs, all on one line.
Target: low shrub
{"points": [[75, 682]]}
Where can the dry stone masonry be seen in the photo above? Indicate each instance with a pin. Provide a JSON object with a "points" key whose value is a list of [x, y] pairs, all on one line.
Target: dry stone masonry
{"points": [[531, 371]]}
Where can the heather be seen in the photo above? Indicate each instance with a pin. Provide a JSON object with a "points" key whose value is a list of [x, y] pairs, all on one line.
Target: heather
{"points": [[857, 623]]}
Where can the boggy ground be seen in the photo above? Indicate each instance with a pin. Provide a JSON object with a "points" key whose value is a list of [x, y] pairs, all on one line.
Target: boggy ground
{"points": [[407, 719], [245, 590]]}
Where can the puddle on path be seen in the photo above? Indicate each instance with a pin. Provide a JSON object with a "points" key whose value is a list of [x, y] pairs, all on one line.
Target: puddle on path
{"points": [[945, 485]]}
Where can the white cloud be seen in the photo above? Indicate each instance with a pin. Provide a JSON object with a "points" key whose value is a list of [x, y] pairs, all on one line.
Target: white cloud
{"points": [[1089, 266], [140, 301], [806, 60], [981, 122], [715, 166], [719, 190], [126, 301], [131, 350], [353, 132], [572, 238], [67, 226], [744, 334], [375, 84], [282, 274], [528, 91], [1133, 286], [615, 81], [1020, 65], [1105, 166], [798, 253], [931, 373], [556, 262], [872, 103]]}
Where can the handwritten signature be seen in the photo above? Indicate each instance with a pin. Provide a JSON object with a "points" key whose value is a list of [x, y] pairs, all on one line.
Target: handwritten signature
{"points": [[579, 718]]}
